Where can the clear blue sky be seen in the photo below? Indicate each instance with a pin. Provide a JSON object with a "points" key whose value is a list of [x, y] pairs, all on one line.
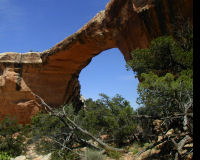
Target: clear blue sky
{"points": [[39, 24]]}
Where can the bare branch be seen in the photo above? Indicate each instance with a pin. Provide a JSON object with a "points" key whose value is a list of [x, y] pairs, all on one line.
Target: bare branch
{"points": [[64, 117]]}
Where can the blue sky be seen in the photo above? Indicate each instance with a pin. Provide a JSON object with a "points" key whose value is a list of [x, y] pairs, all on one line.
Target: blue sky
{"points": [[39, 24]]}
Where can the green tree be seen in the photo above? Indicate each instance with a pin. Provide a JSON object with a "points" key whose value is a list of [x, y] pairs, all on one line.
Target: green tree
{"points": [[111, 116], [11, 137], [165, 71], [164, 55], [166, 94]]}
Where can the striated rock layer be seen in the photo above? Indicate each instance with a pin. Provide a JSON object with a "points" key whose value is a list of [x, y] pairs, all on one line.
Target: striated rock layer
{"points": [[53, 74]]}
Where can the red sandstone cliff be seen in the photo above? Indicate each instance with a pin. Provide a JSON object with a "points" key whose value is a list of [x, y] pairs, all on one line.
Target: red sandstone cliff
{"points": [[53, 74]]}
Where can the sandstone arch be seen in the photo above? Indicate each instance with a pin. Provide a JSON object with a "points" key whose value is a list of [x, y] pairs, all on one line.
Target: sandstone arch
{"points": [[53, 74]]}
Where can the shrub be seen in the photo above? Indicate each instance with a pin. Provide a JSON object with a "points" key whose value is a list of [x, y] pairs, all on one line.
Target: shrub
{"points": [[115, 155], [11, 138], [4, 156], [110, 116], [135, 151]]}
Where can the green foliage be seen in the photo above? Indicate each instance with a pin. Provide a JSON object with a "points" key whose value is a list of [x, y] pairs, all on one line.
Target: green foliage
{"points": [[51, 127], [165, 94], [93, 155], [136, 147], [165, 71], [145, 145], [114, 154], [183, 33], [164, 55], [4, 156], [111, 116], [46, 128], [11, 137], [135, 151], [48, 132]]}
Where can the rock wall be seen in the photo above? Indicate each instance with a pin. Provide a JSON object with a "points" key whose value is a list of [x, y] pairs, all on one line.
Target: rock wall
{"points": [[53, 74]]}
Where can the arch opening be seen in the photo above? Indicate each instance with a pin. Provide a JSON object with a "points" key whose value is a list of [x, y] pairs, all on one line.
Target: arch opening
{"points": [[107, 74]]}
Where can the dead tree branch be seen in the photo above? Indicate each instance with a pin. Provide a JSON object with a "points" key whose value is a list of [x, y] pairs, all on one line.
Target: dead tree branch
{"points": [[66, 120]]}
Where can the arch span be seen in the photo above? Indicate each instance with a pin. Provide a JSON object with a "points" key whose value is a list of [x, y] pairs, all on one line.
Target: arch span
{"points": [[53, 74]]}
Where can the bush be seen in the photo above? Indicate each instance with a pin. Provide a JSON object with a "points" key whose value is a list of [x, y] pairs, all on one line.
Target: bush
{"points": [[109, 116], [45, 127], [4, 156], [11, 138], [115, 155], [48, 132], [104, 116]]}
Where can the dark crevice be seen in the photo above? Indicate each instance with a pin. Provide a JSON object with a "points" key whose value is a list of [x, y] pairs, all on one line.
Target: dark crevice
{"points": [[70, 84], [159, 7], [18, 69], [171, 11], [1, 71], [147, 21]]}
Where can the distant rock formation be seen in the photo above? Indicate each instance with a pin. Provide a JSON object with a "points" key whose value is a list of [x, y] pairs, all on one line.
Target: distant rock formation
{"points": [[53, 74]]}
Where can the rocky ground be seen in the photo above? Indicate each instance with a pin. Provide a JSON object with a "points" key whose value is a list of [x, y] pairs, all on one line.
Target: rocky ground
{"points": [[31, 154]]}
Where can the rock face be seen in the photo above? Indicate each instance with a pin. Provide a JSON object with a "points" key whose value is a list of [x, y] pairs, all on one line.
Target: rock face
{"points": [[53, 74]]}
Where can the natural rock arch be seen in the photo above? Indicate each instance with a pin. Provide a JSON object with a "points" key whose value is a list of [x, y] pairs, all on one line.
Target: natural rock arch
{"points": [[53, 74]]}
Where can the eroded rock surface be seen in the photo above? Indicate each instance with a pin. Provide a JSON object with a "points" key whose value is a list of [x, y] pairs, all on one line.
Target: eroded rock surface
{"points": [[53, 74]]}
